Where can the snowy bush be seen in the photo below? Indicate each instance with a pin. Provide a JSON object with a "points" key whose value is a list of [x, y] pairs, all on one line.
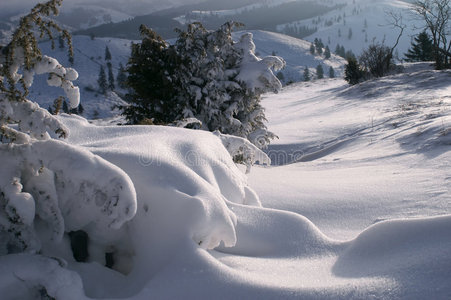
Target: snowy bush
{"points": [[204, 75], [43, 180]]}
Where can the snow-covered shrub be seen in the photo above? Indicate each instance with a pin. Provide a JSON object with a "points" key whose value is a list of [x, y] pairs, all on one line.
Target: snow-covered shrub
{"points": [[48, 187], [204, 75]]}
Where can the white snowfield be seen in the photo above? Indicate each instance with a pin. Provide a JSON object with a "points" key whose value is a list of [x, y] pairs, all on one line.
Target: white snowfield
{"points": [[355, 206]]}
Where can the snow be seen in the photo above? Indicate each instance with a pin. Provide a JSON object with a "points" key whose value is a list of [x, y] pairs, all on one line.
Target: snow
{"points": [[379, 28], [354, 206], [295, 52]]}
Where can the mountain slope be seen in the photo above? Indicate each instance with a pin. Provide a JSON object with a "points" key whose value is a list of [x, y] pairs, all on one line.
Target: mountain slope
{"points": [[89, 57]]}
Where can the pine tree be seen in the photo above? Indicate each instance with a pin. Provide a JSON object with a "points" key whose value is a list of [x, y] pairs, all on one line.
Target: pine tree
{"points": [[353, 71], [319, 71], [107, 54], [306, 74], [331, 72], [327, 52], [312, 49], [101, 81], [121, 78], [111, 84], [152, 77], [204, 75], [350, 34], [318, 46], [422, 49]]}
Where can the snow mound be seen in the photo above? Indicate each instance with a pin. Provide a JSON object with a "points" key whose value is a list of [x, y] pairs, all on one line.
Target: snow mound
{"points": [[184, 179]]}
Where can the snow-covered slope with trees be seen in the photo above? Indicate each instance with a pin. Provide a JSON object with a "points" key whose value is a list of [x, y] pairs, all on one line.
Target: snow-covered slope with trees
{"points": [[355, 206], [362, 22], [89, 56]]}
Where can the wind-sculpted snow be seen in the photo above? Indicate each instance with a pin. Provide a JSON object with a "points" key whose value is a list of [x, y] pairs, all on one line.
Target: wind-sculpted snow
{"points": [[364, 213]]}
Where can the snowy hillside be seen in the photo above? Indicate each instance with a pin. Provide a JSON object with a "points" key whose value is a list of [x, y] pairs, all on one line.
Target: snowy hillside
{"points": [[296, 53], [355, 206], [368, 21], [90, 56]]}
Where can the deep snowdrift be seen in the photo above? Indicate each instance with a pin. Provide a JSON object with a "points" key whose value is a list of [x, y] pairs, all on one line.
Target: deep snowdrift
{"points": [[351, 171]]}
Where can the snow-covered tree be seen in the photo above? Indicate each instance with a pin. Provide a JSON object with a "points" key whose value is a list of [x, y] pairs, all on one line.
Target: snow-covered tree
{"points": [[204, 75], [44, 180]]}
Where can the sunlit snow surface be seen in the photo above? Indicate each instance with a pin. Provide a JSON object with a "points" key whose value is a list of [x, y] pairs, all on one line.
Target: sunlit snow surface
{"points": [[356, 205]]}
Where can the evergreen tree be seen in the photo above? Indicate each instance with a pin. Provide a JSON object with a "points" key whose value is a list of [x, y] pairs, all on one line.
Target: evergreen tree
{"points": [[107, 54], [121, 78], [353, 71], [101, 81], [306, 74], [204, 75], [422, 49], [319, 71], [312, 49], [111, 84], [318, 46], [327, 52], [350, 33], [331, 72]]}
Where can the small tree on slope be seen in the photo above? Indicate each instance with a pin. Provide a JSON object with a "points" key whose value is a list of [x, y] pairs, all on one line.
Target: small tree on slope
{"points": [[422, 49], [39, 179]]}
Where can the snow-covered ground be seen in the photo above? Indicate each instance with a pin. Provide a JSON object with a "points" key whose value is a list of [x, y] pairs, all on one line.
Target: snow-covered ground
{"points": [[355, 206], [369, 21]]}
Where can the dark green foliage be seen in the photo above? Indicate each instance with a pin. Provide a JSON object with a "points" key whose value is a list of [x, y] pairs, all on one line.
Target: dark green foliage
{"points": [[107, 54], [101, 81], [327, 52], [121, 78], [340, 51], [306, 74], [422, 49], [197, 77], [111, 84], [353, 72], [319, 71], [152, 68], [331, 72], [319, 46], [312, 49]]}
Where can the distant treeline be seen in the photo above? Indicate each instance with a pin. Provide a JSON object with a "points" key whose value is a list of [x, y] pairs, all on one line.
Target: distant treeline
{"points": [[263, 18]]}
